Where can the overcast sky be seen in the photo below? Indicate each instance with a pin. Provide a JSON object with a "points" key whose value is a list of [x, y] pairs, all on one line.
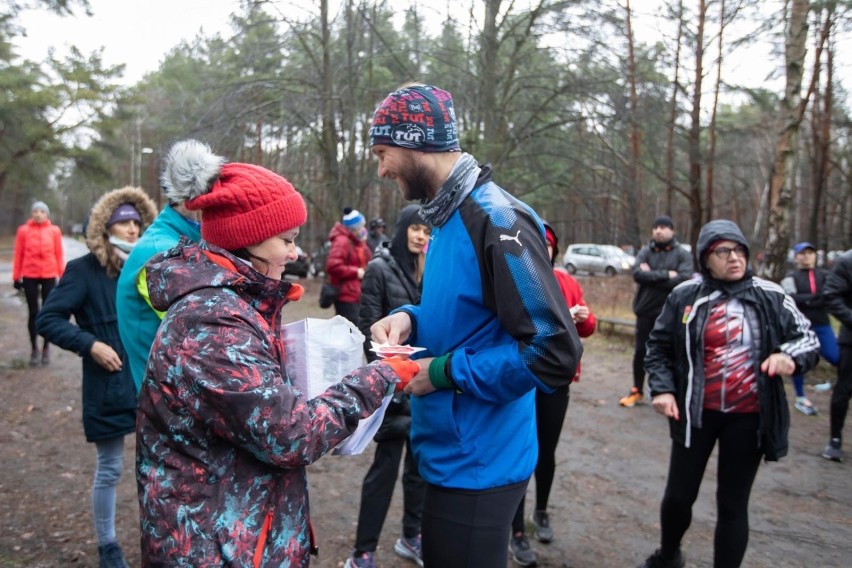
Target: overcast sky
{"points": [[139, 33]]}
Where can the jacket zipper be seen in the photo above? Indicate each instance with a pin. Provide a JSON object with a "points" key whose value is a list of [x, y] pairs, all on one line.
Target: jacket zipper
{"points": [[691, 374], [261, 539]]}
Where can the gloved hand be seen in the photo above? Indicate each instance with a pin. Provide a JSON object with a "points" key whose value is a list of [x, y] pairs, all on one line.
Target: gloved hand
{"points": [[18, 284], [405, 368]]}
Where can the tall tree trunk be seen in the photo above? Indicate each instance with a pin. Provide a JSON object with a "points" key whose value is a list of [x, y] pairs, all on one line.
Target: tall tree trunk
{"points": [[488, 78], [673, 114], [694, 138], [821, 110], [781, 180], [329, 131], [633, 182], [711, 145]]}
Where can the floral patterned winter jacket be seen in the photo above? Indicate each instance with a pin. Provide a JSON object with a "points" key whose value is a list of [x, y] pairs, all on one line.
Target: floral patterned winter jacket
{"points": [[222, 437]]}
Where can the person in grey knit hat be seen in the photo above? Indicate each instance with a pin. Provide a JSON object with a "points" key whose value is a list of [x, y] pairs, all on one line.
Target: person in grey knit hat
{"points": [[39, 260]]}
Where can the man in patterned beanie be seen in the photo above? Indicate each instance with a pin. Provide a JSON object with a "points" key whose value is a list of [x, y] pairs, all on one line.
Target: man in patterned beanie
{"points": [[494, 324]]}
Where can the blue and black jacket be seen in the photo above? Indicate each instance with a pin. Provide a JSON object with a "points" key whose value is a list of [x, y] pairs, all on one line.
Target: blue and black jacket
{"points": [[491, 305]]}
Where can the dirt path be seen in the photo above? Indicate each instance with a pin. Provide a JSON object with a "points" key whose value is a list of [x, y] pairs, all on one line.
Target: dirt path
{"points": [[611, 472]]}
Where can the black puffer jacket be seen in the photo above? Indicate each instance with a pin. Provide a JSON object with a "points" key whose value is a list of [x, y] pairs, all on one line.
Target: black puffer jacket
{"points": [[389, 282], [675, 350]]}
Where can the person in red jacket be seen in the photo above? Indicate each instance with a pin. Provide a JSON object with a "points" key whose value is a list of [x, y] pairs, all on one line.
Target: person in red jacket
{"points": [[550, 412], [38, 263], [347, 262]]}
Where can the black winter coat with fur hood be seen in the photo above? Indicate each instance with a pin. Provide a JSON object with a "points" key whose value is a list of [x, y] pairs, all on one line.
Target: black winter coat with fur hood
{"points": [[87, 291]]}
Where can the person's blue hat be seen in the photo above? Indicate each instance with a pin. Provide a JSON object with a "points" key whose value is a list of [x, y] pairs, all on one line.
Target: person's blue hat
{"points": [[353, 219], [802, 246]]}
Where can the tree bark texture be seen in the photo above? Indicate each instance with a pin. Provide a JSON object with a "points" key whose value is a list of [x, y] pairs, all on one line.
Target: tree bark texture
{"points": [[696, 201], [781, 180]]}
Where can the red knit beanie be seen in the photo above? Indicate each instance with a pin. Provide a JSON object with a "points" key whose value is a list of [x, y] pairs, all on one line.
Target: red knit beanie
{"points": [[241, 204]]}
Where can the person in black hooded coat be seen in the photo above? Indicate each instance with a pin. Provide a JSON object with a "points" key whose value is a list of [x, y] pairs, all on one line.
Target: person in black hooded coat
{"points": [[393, 278], [715, 359]]}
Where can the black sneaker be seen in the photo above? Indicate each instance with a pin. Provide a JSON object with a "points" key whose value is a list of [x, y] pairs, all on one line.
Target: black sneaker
{"points": [[832, 450], [657, 560], [522, 554], [541, 522]]}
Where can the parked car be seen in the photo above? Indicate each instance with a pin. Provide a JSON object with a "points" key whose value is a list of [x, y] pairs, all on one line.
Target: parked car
{"points": [[597, 259], [319, 258], [298, 267]]}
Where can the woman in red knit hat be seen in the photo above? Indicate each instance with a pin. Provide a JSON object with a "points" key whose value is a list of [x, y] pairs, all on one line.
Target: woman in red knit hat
{"points": [[222, 437]]}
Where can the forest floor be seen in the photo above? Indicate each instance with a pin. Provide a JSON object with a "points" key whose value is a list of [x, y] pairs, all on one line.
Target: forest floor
{"points": [[604, 507]]}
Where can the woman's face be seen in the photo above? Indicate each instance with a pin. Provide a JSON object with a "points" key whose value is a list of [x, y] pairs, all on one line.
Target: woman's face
{"points": [[728, 268], [39, 215], [127, 231], [806, 259], [418, 236], [276, 251]]}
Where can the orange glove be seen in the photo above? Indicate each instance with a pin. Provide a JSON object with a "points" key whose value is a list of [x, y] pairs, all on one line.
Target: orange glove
{"points": [[405, 368]]}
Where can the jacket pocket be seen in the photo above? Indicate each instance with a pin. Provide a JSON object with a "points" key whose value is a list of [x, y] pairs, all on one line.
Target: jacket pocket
{"points": [[119, 393]]}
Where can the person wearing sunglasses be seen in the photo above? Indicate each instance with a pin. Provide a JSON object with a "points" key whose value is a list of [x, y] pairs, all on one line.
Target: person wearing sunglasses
{"points": [[715, 361]]}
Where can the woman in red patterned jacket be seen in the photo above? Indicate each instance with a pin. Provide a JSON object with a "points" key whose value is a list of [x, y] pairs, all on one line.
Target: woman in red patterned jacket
{"points": [[223, 437], [550, 412], [38, 264]]}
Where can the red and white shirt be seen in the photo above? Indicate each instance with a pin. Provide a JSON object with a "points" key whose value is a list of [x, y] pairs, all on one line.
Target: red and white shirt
{"points": [[730, 381]]}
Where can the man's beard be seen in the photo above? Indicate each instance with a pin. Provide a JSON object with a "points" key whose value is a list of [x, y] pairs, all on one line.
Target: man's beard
{"points": [[417, 183]]}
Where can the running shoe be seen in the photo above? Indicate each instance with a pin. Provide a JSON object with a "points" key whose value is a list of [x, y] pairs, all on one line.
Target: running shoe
{"points": [[411, 548], [363, 560], [832, 450], [541, 522], [631, 399], [522, 554], [805, 406], [657, 560]]}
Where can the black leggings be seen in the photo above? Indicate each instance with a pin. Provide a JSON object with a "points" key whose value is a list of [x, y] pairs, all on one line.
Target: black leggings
{"points": [[468, 529], [739, 458], [550, 410], [842, 391], [31, 292], [644, 326], [377, 491]]}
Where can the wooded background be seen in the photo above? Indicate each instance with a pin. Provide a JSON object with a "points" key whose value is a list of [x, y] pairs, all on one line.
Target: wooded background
{"points": [[598, 131]]}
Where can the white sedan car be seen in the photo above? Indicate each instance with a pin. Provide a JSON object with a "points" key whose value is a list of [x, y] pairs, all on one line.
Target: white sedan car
{"points": [[597, 259]]}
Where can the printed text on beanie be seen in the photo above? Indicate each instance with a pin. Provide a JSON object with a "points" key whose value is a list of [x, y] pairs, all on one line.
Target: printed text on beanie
{"points": [[419, 117]]}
